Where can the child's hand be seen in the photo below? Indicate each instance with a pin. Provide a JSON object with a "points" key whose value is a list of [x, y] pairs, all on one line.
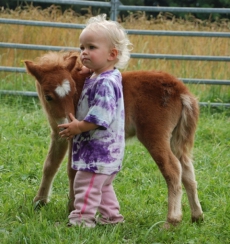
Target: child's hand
{"points": [[71, 129]]}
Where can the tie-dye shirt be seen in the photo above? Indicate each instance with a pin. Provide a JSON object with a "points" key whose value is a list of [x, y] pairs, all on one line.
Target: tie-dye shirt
{"points": [[101, 102]]}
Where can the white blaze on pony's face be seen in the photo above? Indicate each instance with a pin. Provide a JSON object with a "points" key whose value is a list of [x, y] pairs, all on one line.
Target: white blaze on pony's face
{"points": [[64, 89]]}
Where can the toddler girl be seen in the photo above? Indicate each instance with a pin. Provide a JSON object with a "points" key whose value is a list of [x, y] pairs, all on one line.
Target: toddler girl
{"points": [[98, 129]]}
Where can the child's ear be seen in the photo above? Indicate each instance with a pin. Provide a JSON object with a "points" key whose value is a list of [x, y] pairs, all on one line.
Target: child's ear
{"points": [[113, 54]]}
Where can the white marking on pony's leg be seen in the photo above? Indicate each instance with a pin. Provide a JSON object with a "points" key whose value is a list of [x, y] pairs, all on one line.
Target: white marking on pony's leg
{"points": [[190, 184], [64, 89], [174, 198]]}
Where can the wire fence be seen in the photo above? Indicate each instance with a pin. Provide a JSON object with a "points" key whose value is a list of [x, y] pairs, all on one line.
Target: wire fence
{"points": [[116, 6]]}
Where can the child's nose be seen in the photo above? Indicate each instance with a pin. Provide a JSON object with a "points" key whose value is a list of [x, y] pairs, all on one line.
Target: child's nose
{"points": [[84, 51]]}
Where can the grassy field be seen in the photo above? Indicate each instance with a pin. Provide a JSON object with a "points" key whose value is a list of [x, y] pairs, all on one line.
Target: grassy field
{"points": [[141, 189]]}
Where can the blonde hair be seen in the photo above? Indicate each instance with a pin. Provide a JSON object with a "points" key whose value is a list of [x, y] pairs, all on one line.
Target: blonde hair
{"points": [[116, 34]]}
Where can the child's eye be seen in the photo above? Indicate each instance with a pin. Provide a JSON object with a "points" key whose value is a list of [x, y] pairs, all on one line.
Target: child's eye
{"points": [[91, 47], [82, 48]]}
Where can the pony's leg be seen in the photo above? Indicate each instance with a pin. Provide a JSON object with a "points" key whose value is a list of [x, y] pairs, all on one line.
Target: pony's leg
{"points": [[190, 184], [170, 168], [71, 175], [53, 160]]}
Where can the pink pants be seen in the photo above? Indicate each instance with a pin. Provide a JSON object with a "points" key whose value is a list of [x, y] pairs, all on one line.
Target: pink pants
{"points": [[94, 192]]}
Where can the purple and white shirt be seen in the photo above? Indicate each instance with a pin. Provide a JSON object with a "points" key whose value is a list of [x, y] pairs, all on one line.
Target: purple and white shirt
{"points": [[101, 102]]}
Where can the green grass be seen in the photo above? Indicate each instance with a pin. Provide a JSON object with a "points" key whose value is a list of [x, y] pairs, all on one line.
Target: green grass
{"points": [[140, 188]]}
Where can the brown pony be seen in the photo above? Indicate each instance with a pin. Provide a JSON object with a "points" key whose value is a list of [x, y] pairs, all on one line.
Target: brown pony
{"points": [[159, 110]]}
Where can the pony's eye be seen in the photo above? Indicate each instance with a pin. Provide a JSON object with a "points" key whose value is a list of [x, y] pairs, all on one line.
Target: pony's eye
{"points": [[48, 98]]}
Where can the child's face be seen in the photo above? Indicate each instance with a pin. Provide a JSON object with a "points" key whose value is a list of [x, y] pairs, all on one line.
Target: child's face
{"points": [[96, 51]]}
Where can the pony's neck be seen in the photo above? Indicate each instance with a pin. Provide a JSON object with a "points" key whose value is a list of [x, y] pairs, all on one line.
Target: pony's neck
{"points": [[79, 80]]}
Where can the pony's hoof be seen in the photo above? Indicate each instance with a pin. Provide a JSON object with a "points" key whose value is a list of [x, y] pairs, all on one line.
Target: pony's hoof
{"points": [[169, 226], [198, 219], [38, 205]]}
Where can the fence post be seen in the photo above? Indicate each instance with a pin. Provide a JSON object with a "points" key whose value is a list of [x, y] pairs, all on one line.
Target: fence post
{"points": [[114, 9]]}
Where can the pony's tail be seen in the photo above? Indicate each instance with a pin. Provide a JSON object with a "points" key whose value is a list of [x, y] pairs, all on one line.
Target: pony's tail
{"points": [[184, 133]]}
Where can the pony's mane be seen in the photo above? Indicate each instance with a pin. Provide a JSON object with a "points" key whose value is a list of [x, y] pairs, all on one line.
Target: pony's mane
{"points": [[56, 59]]}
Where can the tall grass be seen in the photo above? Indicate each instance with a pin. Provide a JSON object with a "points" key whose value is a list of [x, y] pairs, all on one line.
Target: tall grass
{"points": [[142, 44]]}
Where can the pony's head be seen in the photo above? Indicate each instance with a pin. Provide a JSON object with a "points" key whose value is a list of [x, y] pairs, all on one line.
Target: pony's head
{"points": [[55, 85]]}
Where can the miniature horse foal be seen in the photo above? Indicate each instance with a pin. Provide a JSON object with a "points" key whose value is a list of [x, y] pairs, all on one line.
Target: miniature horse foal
{"points": [[159, 110]]}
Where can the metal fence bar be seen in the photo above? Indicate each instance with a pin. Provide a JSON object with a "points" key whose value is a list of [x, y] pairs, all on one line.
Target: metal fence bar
{"points": [[175, 9], [129, 31], [207, 104], [178, 33], [19, 93], [37, 47], [185, 80], [133, 55], [41, 23], [12, 69], [180, 57], [35, 94], [205, 81], [74, 2], [138, 8]]}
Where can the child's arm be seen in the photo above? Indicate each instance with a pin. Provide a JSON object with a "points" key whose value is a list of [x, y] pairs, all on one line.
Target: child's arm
{"points": [[75, 127]]}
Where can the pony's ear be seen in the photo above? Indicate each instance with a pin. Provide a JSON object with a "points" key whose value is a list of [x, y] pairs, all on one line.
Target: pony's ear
{"points": [[70, 62], [33, 69]]}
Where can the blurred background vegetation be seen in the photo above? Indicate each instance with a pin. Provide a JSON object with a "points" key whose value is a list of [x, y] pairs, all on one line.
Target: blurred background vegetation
{"points": [[12, 4], [67, 37]]}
